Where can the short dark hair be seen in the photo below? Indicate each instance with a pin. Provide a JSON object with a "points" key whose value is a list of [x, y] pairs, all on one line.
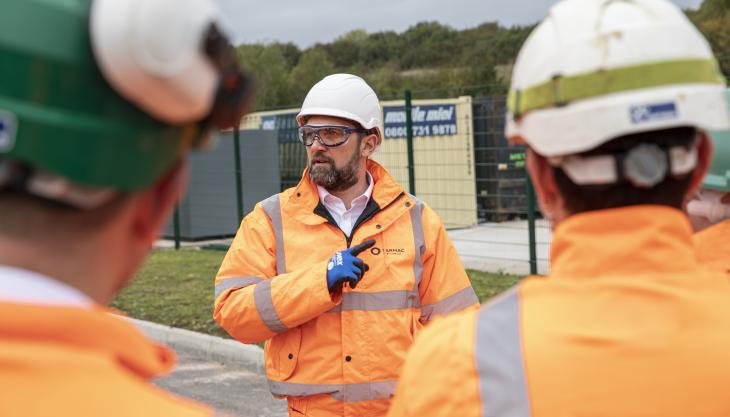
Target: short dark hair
{"points": [[670, 192]]}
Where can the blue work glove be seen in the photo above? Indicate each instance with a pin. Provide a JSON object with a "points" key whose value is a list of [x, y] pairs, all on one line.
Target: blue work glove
{"points": [[345, 266]]}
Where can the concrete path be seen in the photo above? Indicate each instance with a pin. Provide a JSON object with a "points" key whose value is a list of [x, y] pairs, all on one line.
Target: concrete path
{"points": [[502, 247], [228, 387]]}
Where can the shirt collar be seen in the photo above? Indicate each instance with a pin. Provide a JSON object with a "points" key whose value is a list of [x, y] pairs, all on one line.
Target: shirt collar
{"points": [[326, 196], [23, 286]]}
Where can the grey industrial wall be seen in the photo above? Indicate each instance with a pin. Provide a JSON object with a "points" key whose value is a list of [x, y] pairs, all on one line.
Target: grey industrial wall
{"points": [[209, 207]]}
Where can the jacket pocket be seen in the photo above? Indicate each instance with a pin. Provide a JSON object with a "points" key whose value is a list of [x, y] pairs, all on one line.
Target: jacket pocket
{"points": [[282, 354]]}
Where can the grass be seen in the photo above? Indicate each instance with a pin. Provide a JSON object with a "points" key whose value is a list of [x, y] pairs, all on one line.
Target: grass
{"points": [[176, 288]]}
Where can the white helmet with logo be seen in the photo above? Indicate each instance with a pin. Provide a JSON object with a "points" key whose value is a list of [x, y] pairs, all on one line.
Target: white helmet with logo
{"points": [[595, 70], [346, 96]]}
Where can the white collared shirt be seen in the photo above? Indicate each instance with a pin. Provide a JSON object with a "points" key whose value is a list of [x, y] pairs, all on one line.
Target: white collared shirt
{"points": [[23, 286], [336, 207]]}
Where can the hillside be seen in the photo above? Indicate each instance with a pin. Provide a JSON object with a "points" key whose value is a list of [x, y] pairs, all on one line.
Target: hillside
{"points": [[432, 59]]}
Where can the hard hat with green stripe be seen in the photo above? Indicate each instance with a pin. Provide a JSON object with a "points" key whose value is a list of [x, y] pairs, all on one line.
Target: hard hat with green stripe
{"points": [[596, 70], [109, 94], [718, 178]]}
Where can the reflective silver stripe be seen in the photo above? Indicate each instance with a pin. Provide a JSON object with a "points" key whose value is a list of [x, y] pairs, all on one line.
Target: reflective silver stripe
{"points": [[272, 208], [265, 307], [235, 282], [417, 223], [455, 302], [499, 358], [377, 301], [302, 390], [379, 390]]}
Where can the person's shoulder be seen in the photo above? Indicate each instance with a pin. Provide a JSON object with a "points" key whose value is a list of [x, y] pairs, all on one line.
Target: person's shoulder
{"points": [[442, 356], [713, 235], [451, 333], [145, 398], [430, 217]]}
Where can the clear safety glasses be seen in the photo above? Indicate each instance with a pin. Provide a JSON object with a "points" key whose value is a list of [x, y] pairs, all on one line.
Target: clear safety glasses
{"points": [[330, 136]]}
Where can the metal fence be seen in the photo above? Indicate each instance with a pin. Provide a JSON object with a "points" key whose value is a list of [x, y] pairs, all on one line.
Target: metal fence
{"points": [[451, 153], [509, 234]]}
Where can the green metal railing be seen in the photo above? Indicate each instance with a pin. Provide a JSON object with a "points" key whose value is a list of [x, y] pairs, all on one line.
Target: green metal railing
{"points": [[504, 196]]}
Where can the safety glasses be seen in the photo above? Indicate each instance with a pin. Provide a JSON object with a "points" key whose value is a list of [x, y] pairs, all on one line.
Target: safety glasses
{"points": [[328, 135]]}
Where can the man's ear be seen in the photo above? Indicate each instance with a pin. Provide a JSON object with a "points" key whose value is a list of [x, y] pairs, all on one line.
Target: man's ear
{"points": [[546, 189], [368, 145], [704, 159], [154, 205]]}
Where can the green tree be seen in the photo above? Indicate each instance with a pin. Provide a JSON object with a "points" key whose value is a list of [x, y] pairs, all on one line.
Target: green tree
{"points": [[269, 69], [713, 20], [313, 65]]}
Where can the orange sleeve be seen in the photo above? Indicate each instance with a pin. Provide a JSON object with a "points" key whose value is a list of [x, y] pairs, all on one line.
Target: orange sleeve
{"points": [[252, 303], [445, 287], [439, 376]]}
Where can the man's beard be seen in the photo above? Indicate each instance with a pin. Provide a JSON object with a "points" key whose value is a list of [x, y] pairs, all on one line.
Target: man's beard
{"points": [[332, 178]]}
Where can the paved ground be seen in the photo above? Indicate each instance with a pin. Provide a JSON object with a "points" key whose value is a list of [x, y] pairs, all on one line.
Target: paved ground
{"points": [[232, 389], [502, 247]]}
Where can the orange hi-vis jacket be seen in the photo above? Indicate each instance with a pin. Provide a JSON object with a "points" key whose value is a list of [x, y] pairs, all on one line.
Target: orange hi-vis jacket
{"points": [[713, 246], [627, 323], [338, 355], [70, 361]]}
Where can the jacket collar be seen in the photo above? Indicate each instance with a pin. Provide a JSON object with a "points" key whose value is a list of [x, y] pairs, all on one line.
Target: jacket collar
{"points": [[97, 330], [624, 241], [712, 248], [303, 200]]}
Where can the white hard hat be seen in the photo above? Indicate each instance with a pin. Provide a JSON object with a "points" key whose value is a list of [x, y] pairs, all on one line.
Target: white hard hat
{"points": [[165, 72], [346, 96], [595, 70]]}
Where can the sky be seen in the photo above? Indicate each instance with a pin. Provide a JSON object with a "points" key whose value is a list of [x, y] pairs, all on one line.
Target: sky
{"points": [[306, 23]]}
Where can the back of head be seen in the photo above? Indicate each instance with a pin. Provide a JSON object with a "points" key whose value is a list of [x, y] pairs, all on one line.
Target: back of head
{"points": [[612, 95], [102, 98]]}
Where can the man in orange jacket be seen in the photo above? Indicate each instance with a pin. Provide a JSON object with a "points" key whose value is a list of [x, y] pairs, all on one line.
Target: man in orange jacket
{"points": [[99, 108], [709, 211], [338, 274], [612, 100]]}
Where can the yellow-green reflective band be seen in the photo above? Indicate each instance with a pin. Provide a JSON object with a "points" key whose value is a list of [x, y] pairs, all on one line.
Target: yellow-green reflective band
{"points": [[562, 90]]}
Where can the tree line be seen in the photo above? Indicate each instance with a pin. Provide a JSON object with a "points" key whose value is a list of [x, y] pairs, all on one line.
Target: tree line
{"points": [[432, 59]]}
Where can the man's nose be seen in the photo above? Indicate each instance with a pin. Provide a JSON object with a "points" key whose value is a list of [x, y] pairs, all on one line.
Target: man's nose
{"points": [[317, 146]]}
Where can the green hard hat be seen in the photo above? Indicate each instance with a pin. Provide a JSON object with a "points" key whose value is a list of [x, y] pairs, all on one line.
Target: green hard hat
{"points": [[61, 113], [718, 177]]}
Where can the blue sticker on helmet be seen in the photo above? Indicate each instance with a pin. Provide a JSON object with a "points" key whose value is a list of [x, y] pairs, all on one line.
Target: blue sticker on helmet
{"points": [[653, 112], [7, 131]]}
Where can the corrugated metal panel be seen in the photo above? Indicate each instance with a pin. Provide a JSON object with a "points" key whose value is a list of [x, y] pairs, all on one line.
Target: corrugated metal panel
{"points": [[209, 207]]}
